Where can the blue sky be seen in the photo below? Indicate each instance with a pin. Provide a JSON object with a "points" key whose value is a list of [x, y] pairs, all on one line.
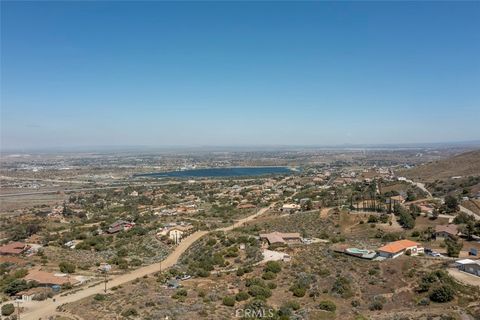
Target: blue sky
{"points": [[227, 73]]}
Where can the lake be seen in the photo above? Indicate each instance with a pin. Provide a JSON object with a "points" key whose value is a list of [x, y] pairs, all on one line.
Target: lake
{"points": [[221, 172]]}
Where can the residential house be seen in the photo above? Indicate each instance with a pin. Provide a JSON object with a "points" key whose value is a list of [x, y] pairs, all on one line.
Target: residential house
{"points": [[446, 231], [14, 248], [178, 232], [281, 238], [120, 225], [31, 294], [397, 248], [291, 207]]}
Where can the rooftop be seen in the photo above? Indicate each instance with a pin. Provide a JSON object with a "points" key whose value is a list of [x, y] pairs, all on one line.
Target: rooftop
{"points": [[397, 246]]}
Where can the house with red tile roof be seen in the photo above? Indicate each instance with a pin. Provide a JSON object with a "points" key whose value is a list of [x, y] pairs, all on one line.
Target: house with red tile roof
{"points": [[397, 248]]}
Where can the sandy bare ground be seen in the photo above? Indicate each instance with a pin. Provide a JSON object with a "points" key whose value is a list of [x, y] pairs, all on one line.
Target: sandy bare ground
{"points": [[464, 277], [44, 309]]}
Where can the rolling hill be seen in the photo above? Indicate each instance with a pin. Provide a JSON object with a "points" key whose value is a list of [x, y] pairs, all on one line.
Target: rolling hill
{"points": [[465, 164]]}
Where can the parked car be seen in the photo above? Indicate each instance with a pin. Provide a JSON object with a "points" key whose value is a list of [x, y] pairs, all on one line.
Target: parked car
{"points": [[434, 254]]}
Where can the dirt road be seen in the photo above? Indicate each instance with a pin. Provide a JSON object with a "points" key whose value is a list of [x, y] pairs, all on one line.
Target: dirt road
{"points": [[43, 309]]}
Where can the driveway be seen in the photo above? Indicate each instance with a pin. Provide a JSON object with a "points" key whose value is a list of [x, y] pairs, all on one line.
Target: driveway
{"points": [[464, 277]]}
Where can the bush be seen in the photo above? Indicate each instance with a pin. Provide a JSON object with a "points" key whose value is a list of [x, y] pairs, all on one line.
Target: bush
{"points": [[228, 301], [259, 292], [294, 305], [242, 296], [269, 275], [376, 305], [180, 294], [8, 309], [273, 266], [443, 293], [66, 267], [327, 305], [99, 297], [130, 312], [299, 291], [342, 287]]}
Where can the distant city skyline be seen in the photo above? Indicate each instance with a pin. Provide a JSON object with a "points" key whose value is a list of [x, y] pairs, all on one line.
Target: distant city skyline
{"points": [[77, 74]]}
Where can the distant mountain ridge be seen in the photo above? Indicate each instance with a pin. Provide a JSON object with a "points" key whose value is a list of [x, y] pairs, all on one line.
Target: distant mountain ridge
{"points": [[464, 164]]}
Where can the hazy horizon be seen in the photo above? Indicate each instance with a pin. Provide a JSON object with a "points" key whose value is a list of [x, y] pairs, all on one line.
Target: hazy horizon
{"points": [[92, 74]]}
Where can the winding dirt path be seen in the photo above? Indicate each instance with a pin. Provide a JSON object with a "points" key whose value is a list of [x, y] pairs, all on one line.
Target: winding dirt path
{"points": [[43, 309]]}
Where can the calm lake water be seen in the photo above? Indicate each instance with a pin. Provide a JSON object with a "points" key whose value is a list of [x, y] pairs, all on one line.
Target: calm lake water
{"points": [[221, 172]]}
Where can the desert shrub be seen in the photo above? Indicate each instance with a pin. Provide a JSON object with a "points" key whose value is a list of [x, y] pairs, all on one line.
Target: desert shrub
{"points": [[443, 293], [342, 287], [273, 266], [228, 301], [255, 281], [99, 297], [298, 291], [66, 267], [130, 312], [180, 293], [327, 305], [272, 285], [268, 275], [355, 303], [294, 305], [8, 309], [376, 305], [242, 296], [259, 292]]}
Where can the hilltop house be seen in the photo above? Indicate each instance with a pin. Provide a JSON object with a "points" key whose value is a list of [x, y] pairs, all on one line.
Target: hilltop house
{"points": [[290, 208], [175, 232], [397, 248], [120, 225], [281, 238], [446, 231], [14, 248], [178, 232]]}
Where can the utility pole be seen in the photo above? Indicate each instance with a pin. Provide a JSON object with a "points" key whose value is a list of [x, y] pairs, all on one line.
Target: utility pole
{"points": [[106, 280], [18, 309]]}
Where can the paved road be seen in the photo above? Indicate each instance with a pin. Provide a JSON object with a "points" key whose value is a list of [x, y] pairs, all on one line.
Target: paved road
{"points": [[43, 309]]}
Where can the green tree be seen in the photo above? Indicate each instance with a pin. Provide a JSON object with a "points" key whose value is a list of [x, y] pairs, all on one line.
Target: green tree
{"points": [[453, 247], [451, 204]]}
